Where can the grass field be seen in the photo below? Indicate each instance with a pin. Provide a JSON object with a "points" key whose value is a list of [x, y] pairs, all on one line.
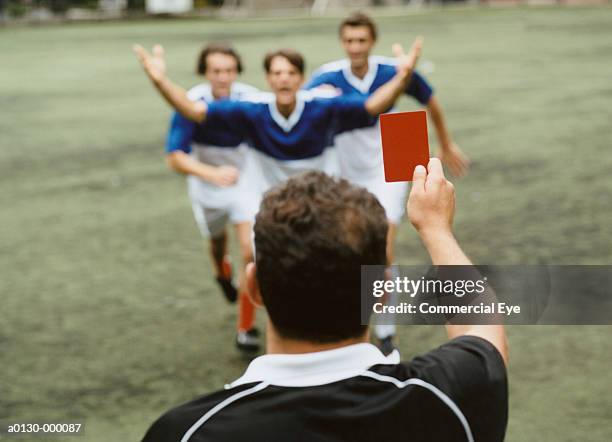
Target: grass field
{"points": [[109, 314]]}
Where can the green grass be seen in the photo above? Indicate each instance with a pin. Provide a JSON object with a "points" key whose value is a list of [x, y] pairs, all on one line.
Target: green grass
{"points": [[109, 313]]}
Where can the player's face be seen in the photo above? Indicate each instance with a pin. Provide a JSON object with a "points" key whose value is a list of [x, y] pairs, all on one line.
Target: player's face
{"points": [[221, 72], [285, 80], [357, 42]]}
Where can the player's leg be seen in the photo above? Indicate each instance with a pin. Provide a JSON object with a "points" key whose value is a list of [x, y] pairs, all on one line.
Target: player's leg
{"points": [[218, 246], [384, 329], [391, 242], [217, 220], [243, 206], [211, 223], [223, 265], [392, 196], [247, 338]]}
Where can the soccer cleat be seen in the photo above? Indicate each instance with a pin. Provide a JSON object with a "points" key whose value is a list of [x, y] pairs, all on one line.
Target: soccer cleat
{"points": [[229, 291], [248, 341], [386, 345], [225, 281]]}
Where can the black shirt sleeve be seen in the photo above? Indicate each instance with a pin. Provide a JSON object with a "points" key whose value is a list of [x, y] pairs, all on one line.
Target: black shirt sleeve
{"points": [[472, 373]]}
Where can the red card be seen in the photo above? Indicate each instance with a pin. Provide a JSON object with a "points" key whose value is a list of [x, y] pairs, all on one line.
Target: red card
{"points": [[404, 144]]}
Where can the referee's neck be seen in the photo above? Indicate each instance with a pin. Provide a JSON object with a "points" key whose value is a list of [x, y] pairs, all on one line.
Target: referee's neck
{"points": [[276, 344]]}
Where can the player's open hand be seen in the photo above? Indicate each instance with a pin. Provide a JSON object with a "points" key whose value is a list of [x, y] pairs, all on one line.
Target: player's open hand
{"points": [[225, 176], [154, 65], [407, 62], [454, 159], [431, 204]]}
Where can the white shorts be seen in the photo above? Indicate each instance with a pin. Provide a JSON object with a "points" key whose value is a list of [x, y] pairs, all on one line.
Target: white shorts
{"points": [[269, 172], [212, 216], [211, 222], [263, 172]]}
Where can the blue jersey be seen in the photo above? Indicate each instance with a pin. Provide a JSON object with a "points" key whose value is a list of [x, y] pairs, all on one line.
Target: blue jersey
{"points": [[211, 146], [381, 70], [283, 146], [185, 135], [304, 134], [359, 151]]}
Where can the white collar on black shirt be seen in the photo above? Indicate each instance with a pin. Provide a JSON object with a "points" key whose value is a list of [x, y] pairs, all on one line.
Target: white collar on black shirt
{"points": [[318, 368]]}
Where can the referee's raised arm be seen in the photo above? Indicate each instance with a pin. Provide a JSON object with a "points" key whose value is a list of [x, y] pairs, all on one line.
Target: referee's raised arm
{"points": [[431, 208]]}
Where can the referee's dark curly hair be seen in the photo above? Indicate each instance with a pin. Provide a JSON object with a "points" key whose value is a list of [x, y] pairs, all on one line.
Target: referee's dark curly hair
{"points": [[312, 234]]}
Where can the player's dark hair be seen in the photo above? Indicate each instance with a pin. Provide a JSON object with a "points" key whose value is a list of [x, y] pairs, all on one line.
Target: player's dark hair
{"points": [[312, 234], [291, 55], [358, 19], [217, 48]]}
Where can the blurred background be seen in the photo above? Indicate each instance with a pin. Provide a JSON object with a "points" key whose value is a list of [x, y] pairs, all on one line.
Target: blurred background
{"points": [[109, 313], [61, 10]]}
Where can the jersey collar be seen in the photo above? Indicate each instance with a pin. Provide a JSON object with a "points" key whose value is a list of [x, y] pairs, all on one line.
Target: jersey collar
{"points": [[287, 123], [318, 368], [362, 84]]}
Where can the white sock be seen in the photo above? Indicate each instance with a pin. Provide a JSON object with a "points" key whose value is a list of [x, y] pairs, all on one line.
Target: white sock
{"points": [[385, 325]]}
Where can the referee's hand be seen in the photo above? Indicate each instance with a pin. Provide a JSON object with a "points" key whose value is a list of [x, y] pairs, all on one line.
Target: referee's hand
{"points": [[431, 204]]}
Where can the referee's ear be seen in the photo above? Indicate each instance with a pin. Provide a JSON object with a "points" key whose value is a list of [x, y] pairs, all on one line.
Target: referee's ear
{"points": [[252, 285]]}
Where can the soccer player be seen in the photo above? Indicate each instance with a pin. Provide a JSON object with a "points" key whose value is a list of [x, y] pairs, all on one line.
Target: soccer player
{"points": [[359, 151], [289, 130], [217, 177]]}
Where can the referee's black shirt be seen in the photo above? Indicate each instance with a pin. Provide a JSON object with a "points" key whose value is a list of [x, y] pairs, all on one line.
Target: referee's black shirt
{"points": [[457, 392]]}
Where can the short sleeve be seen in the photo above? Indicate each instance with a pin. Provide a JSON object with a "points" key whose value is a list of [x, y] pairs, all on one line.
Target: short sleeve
{"points": [[419, 88], [350, 112], [180, 134], [472, 373], [317, 79]]}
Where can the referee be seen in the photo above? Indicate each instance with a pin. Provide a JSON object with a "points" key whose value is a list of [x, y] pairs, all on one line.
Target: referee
{"points": [[321, 380]]}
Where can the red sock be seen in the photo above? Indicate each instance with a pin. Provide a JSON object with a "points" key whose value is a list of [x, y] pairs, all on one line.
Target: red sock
{"points": [[246, 313], [226, 268]]}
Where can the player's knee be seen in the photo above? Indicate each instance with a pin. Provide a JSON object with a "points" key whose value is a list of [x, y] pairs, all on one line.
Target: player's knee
{"points": [[246, 253], [218, 241], [390, 255]]}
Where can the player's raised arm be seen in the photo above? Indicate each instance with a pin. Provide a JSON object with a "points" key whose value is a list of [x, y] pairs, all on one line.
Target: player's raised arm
{"points": [[155, 67], [431, 208], [386, 95]]}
